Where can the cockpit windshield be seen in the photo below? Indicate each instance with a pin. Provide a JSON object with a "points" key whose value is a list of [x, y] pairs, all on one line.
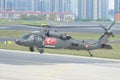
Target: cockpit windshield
{"points": [[26, 36]]}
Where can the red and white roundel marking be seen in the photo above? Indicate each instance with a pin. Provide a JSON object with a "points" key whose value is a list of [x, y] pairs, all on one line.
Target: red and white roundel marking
{"points": [[86, 46], [50, 41]]}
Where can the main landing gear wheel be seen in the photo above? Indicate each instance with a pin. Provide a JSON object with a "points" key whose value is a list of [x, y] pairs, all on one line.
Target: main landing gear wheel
{"points": [[31, 49], [41, 51]]}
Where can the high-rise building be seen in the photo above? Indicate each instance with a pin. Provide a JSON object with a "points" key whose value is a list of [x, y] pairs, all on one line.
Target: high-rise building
{"points": [[74, 7], [39, 5], [105, 9], [93, 9], [60, 5], [18, 7], [117, 6], [52, 5], [100, 9], [67, 6], [1, 4], [81, 9], [89, 9], [36, 5], [117, 10], [85, 9]]}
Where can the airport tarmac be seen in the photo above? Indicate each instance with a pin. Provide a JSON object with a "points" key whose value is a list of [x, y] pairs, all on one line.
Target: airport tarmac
{"points": [[22, 65]]}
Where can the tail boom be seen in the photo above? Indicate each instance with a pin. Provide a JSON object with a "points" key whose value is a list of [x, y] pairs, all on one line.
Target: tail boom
{"points": [[104, 38]]}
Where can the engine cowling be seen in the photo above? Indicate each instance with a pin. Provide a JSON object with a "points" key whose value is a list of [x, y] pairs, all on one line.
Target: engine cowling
{"points": [[58, 35]]}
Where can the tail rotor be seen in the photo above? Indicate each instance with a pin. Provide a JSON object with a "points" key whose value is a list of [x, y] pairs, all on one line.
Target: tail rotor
{"points": [[104, 38], [108, 30]]}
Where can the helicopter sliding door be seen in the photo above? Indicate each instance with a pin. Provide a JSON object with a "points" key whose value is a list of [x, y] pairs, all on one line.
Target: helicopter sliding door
{"points": [[38, 41]]}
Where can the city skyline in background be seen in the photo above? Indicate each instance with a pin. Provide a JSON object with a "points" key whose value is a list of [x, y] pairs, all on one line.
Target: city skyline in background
{"points": [[80, 9], [93, 9], [111, 4]]}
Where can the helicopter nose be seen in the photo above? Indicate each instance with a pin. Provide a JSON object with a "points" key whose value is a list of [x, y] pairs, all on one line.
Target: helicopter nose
{"points": [[17, 41]]}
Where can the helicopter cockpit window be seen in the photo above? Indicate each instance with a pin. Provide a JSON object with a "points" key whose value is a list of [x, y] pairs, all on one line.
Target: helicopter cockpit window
{"points": [[26, 36]]}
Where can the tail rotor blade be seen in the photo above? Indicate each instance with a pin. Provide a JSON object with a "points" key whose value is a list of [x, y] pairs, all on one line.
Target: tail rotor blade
{"points": [[111, 25], [103, 27], [108, 28]]}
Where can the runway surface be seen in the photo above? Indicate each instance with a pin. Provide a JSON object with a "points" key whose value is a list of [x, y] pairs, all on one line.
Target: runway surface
{"points": [[21, 65]]}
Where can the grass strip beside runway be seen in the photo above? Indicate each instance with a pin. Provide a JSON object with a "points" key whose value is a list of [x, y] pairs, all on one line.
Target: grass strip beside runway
{"points": [[11, 33], [114, 53]]}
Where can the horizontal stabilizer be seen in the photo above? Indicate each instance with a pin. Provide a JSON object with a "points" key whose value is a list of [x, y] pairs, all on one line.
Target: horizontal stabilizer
{"points": [[106, 46]]}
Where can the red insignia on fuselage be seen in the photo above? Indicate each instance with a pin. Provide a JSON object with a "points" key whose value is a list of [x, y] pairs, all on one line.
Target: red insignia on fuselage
{"points": [[86, 46], [50, 41]]}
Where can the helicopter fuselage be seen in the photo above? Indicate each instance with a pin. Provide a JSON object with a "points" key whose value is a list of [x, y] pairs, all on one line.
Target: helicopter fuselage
{"points": [[55, 40], [45, 38]]}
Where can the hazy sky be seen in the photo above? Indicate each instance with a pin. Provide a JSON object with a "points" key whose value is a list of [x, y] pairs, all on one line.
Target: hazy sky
{"points": [[111, 4]]}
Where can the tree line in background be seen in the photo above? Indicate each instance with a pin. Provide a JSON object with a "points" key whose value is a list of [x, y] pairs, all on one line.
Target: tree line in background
{"points": [[51, 17], [33, 17]]}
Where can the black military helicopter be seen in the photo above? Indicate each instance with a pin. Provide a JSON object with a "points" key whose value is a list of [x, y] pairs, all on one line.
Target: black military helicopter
{"points": [[44, 38]]}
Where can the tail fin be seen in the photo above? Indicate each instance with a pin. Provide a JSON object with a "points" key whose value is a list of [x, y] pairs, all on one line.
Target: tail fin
{"points": [[104, 38]]}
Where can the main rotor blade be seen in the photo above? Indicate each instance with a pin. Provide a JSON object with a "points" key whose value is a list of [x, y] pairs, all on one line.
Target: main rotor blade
{"points": [[71, 26], [49, 26], [103, 27], [111, 25]]}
